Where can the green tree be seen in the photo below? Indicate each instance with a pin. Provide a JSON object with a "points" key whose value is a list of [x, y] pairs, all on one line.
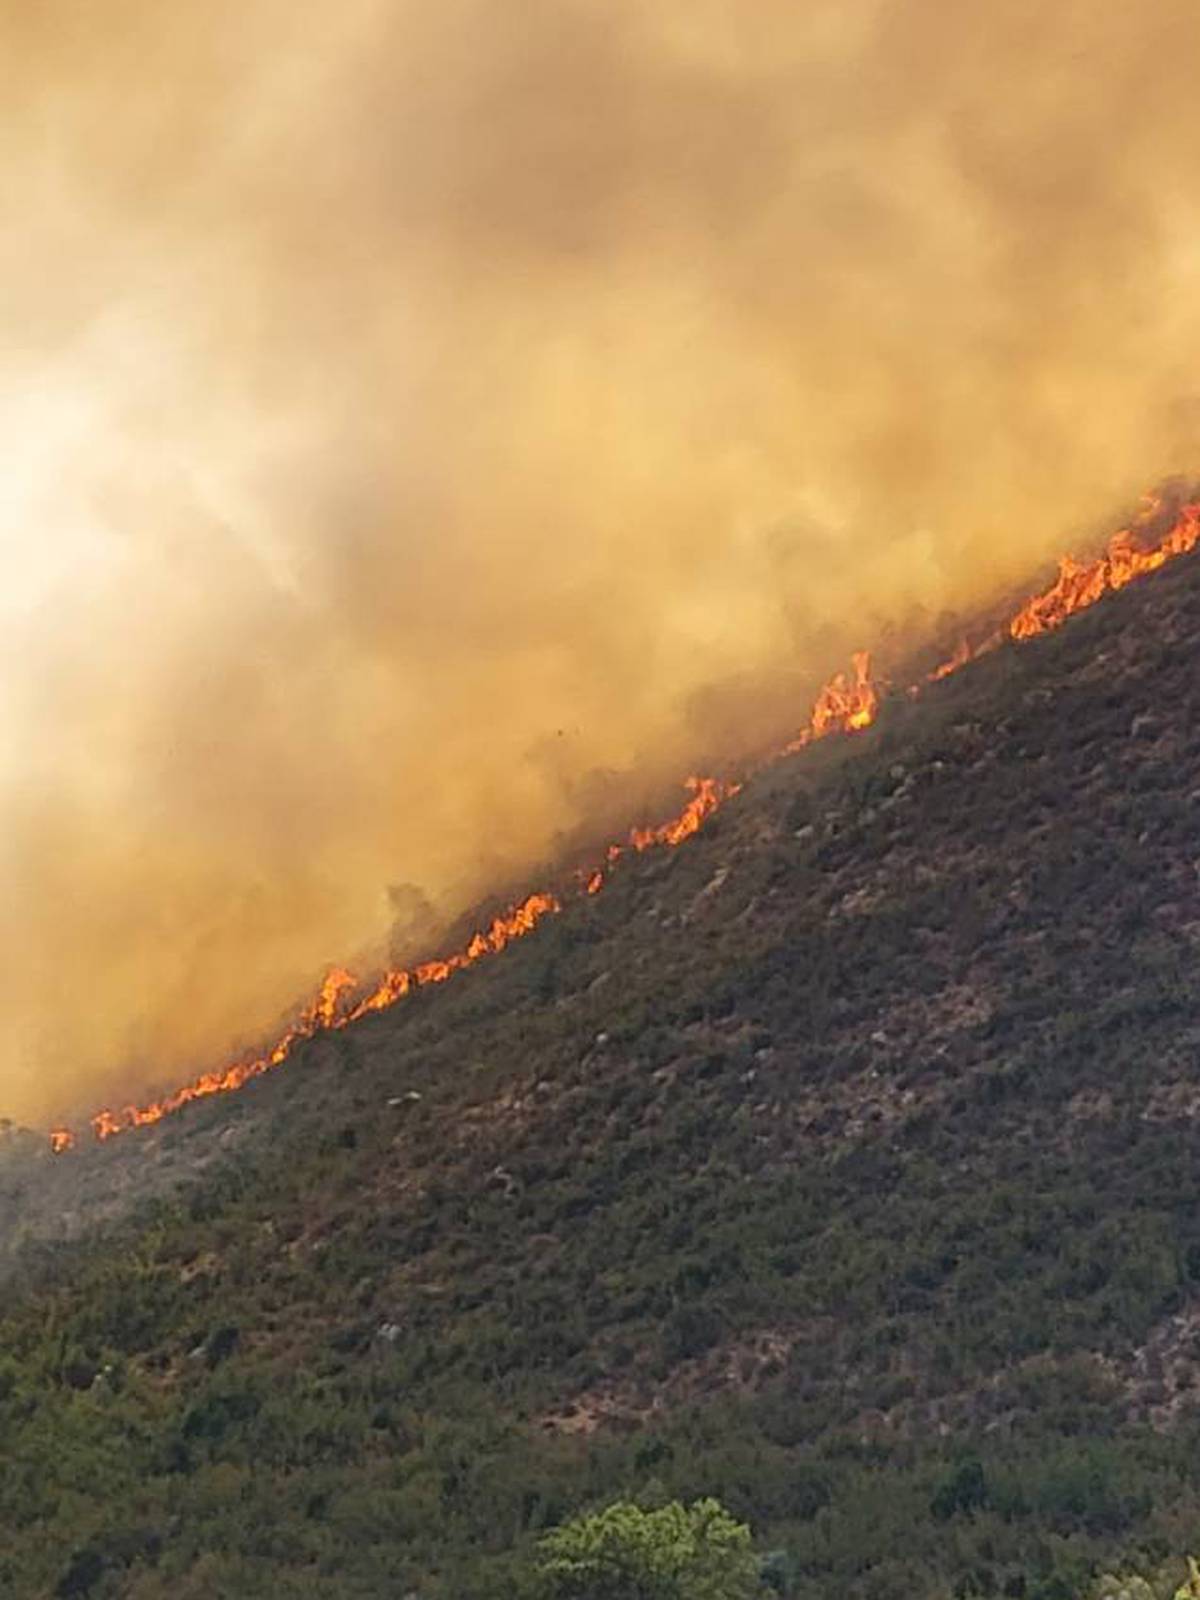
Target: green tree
{"points": [[1159, 1586], [695, 1552]]}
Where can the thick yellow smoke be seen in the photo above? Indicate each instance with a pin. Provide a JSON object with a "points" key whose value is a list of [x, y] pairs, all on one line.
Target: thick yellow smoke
{"points": [[415, 417]]}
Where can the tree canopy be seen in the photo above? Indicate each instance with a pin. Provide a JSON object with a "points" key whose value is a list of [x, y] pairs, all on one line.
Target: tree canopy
{"points": [[678, 1552]]}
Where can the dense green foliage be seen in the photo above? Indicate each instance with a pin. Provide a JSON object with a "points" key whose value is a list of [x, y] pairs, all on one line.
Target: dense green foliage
{"points": [[1162, 1584], [840, 1165], [675, 1552]]}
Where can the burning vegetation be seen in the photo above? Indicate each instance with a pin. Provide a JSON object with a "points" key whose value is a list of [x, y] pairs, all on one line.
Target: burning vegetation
{"points": [[849, 703]]}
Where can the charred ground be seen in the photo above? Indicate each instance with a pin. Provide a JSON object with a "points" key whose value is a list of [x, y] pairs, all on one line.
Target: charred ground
{"points": [[844, 1163]]}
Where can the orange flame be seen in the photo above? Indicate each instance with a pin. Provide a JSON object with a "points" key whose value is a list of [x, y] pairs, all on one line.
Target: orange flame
{"points": [[844, 705], [847, 704], [330, 1009], [962, 654], [1081, 584], [707, 795], [394, 985]]}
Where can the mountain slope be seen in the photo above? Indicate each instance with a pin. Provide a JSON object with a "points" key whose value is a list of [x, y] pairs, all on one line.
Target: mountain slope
{"points": [[842, 1163]]}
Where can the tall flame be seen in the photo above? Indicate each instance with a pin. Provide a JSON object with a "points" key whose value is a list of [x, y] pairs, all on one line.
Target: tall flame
{"points": [[844, 705], [847, 704]]}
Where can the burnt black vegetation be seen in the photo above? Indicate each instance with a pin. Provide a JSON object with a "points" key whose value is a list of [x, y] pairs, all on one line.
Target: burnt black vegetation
{"points": [[843, 1164]]}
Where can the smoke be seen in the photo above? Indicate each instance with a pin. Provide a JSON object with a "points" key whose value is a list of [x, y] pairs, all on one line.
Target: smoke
{"points": [[425, 428]]}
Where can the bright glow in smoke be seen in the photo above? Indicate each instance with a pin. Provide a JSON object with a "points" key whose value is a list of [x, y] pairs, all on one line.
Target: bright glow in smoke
{"points": [[416, 419]]}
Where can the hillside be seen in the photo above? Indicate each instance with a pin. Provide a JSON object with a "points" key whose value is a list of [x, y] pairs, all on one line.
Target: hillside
{"points": [[841, 1162]]}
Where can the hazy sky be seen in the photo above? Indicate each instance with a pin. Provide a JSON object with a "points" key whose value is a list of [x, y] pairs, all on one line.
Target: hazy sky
{"points": [[426, 428]]}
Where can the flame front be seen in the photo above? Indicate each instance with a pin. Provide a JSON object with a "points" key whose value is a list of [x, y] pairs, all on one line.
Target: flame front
{"points": [[332, 1007], [400, 981], [1081, 584], [847, 704], [707, 794]]}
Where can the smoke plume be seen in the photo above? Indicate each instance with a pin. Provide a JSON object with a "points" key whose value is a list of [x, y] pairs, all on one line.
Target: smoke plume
{"points": [[426, 428]]}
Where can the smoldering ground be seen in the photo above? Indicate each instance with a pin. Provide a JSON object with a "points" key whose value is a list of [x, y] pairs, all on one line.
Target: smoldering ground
{"points": [[426, 428]]}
